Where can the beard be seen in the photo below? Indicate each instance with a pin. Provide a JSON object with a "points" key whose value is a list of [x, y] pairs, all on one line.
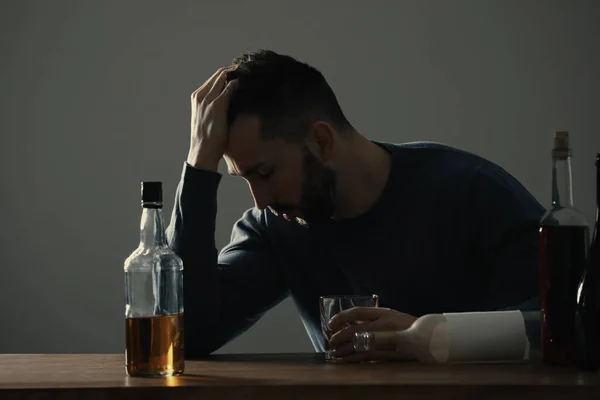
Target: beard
{"points": [[318, 190], [317, 193]]}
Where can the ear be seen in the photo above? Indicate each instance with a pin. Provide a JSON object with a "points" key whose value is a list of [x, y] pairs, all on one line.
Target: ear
{"points": [[321, 139]]}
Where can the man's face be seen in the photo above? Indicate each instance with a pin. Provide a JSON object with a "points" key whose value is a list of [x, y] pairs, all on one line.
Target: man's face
{"points": [[286, 177]]}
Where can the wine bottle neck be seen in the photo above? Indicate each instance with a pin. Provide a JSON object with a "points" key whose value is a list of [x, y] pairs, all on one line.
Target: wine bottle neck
{"points": [[562, 184], [152, 230]]}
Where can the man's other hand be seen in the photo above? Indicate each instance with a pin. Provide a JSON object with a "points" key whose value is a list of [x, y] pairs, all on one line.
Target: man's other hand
{"points": [[361, 319]]}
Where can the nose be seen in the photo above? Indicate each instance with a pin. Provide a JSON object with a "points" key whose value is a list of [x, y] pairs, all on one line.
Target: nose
{"points": [[261, 198]]}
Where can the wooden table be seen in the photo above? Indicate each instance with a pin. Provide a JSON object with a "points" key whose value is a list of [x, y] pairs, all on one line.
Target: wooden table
{"points": [[286, 376]]}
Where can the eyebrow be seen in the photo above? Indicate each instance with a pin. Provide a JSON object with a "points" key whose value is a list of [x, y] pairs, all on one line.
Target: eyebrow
{"points": [[249, 171]]}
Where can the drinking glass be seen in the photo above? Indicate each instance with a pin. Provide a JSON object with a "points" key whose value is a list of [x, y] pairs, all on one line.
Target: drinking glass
{"points": [[331, 305]]}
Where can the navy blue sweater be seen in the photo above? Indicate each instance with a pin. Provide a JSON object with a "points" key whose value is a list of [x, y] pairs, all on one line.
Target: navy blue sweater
{"points": [[452, 232]]}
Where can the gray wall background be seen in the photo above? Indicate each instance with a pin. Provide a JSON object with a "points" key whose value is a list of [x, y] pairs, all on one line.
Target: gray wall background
{"points": [[94, 98]]}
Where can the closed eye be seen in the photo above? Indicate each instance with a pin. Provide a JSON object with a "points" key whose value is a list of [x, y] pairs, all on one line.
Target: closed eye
{"points": [[265, 174]]}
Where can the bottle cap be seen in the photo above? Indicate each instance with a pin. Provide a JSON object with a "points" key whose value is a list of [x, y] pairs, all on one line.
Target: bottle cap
{"points": [[561, 150], [561, 140], [152, 194]]}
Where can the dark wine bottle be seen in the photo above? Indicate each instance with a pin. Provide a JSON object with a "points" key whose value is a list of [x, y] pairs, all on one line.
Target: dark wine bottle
{"points": [[563, 246], [588, 298]]}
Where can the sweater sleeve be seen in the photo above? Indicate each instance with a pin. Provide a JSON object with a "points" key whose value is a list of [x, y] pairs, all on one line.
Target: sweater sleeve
{"points": [[505, 222], [226, 293]]}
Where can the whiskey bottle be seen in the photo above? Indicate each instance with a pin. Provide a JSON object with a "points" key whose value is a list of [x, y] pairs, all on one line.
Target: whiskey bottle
{"points": [[154, 342]]}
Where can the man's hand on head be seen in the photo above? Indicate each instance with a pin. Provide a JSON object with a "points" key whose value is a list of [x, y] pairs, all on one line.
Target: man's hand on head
{"points": [[361, 319], [209, 103]]}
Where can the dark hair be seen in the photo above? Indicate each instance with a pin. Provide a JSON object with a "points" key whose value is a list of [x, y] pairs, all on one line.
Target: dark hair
{"points": [[286, 94]]}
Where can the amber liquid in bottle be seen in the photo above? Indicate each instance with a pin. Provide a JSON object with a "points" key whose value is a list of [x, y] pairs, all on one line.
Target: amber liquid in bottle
{"points": [[154, 345]]}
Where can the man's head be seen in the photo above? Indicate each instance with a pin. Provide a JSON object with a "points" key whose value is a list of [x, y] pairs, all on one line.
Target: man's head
{"points": [[284, 120]]}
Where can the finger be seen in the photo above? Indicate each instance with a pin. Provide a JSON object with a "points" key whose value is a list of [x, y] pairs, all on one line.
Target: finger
{"points": [[344, 350], [200, 93], [354, 314], [209, 82], [347, 334], [224, 95], [216, 88]]}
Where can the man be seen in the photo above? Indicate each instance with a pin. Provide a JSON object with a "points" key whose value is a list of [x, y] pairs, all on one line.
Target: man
{"points": [[427, 227]]}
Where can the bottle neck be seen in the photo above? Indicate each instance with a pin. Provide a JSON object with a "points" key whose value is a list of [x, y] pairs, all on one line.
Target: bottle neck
{"points": [[152, 229], [562, 184]]}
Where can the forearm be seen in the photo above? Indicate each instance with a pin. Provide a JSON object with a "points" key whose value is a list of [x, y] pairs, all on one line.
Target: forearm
{"points": [[224, 294], [191, 235]]}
